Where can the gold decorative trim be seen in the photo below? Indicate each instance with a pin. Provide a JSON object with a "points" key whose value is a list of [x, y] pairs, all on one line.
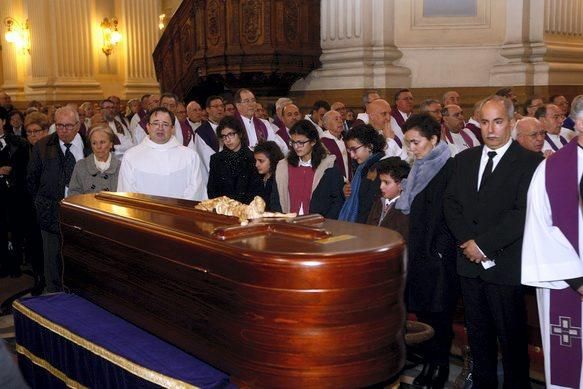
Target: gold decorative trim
{"points": [[71, 383], [133, 368]]}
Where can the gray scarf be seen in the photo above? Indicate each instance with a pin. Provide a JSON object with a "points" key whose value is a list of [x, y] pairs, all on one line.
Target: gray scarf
{"points": [[421, 174]]}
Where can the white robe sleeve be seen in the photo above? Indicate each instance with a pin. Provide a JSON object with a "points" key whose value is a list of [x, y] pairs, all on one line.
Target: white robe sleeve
{"points": [[393, 150], [547, 256], [178, 132], [204, 153], [126, 178], [271, 135], [196, 187]]}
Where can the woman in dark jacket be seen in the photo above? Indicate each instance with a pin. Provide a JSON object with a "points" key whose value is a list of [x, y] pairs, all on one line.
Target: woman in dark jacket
{"points": [[365, 146], [267, 155], [432, 283], [232, 171], [307, 180]]}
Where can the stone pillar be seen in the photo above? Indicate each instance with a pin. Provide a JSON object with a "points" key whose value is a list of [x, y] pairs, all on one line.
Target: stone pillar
{"points": [[14, 62], [142, 34], [61, 56], [358, 47]]}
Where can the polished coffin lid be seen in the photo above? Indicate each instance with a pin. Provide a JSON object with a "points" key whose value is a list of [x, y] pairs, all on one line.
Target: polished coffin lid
{"points": [[276, 303]]}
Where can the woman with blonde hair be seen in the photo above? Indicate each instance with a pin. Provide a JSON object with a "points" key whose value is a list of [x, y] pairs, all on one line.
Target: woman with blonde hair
{"points": [[98, 171]]}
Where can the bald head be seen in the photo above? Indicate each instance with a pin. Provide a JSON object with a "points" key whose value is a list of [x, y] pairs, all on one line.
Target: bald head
{"points": [[332, 121], [194, 112], [530, 134], [379, 113]]}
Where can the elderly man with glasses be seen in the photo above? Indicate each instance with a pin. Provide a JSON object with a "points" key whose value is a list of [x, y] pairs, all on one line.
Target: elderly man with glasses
{"points": [[257, 129], [49, 172]]}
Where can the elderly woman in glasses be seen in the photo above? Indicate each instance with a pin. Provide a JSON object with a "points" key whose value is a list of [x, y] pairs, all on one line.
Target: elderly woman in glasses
{"points": [[307, 181], [99, 171], [232, 171]]}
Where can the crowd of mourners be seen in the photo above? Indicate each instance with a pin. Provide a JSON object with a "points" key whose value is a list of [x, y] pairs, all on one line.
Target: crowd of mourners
{"points": [[419, 169]]}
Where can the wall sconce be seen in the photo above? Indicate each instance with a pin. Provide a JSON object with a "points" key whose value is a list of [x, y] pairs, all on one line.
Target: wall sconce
{"points": [[111, 36], [162, 21], [18, 34]]}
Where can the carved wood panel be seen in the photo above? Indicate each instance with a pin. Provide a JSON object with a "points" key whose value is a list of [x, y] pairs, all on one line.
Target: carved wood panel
{"points": [[262, 44]]}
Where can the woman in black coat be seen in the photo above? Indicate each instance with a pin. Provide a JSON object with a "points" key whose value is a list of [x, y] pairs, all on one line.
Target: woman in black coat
{"points": [[432, 284], [232, 171]]}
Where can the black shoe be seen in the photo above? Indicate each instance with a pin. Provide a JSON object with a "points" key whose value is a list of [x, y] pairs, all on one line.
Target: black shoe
{"points": [[440, 377], [424, 378]]}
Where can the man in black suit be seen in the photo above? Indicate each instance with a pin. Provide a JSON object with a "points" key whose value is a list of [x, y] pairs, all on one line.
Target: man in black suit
{"points": [[49, 172], [485, 206]]}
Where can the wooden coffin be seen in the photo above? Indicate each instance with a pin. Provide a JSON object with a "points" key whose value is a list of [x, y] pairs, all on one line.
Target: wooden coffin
{"points": [[308, 303]]}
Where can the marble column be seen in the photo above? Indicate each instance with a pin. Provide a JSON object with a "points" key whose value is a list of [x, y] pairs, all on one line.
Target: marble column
{"points": [[142, 34], [543, 44], [61, 56], [14, 61], [358, 47]]}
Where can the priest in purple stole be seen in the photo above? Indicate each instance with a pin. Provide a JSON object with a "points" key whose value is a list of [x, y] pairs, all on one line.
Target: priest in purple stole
{"points": [[552, 257]]}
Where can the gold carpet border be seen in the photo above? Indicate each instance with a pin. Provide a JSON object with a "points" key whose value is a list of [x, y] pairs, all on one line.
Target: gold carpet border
{"points": [[134, 368], [71, 383]]}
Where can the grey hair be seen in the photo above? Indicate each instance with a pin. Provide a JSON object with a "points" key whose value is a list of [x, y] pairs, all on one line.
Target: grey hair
{"points": [[508, 106], [279, 103], [67, 109], [327, 115], [577, 107], [424, 106], [365, 96]]}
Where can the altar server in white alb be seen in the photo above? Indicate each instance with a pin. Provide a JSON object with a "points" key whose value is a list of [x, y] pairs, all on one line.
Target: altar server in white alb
{"points": [[160, 165], [552, 257]]}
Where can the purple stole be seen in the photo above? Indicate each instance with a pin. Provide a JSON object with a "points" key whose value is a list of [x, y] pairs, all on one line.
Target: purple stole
{"points": [[476, 131], [553, 145], [464, 135], [187, 132], [208, 135], [144, 124], [562, 188], [335, 150], [142, 113], [400, 121], [282, 132], [260, 129]]}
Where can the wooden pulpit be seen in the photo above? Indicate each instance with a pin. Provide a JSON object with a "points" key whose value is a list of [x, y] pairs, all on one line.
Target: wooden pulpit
{"points": [[265, 45], [304, 302]]}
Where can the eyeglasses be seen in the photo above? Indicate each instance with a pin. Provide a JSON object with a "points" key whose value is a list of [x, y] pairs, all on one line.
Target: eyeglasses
{"points": [[68, 126], [534, 135], [164, 125], [229, 135], [249, 101], [298, 143], [353, 150], [34, 132]]}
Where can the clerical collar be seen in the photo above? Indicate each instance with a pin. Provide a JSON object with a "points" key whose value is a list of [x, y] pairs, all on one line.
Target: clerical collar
{"points": [[172, 142], [405, 116], [305, 164]]}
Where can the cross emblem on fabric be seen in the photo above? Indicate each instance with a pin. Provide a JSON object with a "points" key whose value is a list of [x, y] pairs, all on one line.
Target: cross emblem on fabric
{"points": [[565, 331]]}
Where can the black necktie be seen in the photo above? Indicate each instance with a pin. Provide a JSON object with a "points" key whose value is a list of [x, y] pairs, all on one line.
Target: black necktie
{"points": [[489, 166], [69, 163]]}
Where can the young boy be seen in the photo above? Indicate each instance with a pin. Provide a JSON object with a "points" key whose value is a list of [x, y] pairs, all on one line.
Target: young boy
{"points": [[391, 172]]}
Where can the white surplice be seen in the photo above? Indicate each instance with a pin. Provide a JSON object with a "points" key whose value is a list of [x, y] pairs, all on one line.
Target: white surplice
{"points": [[168, 169]]}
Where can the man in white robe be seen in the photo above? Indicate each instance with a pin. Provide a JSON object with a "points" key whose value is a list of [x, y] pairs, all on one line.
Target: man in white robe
{"points": [[160, 165], [456, 136], [123, 134], [552, 257]]}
